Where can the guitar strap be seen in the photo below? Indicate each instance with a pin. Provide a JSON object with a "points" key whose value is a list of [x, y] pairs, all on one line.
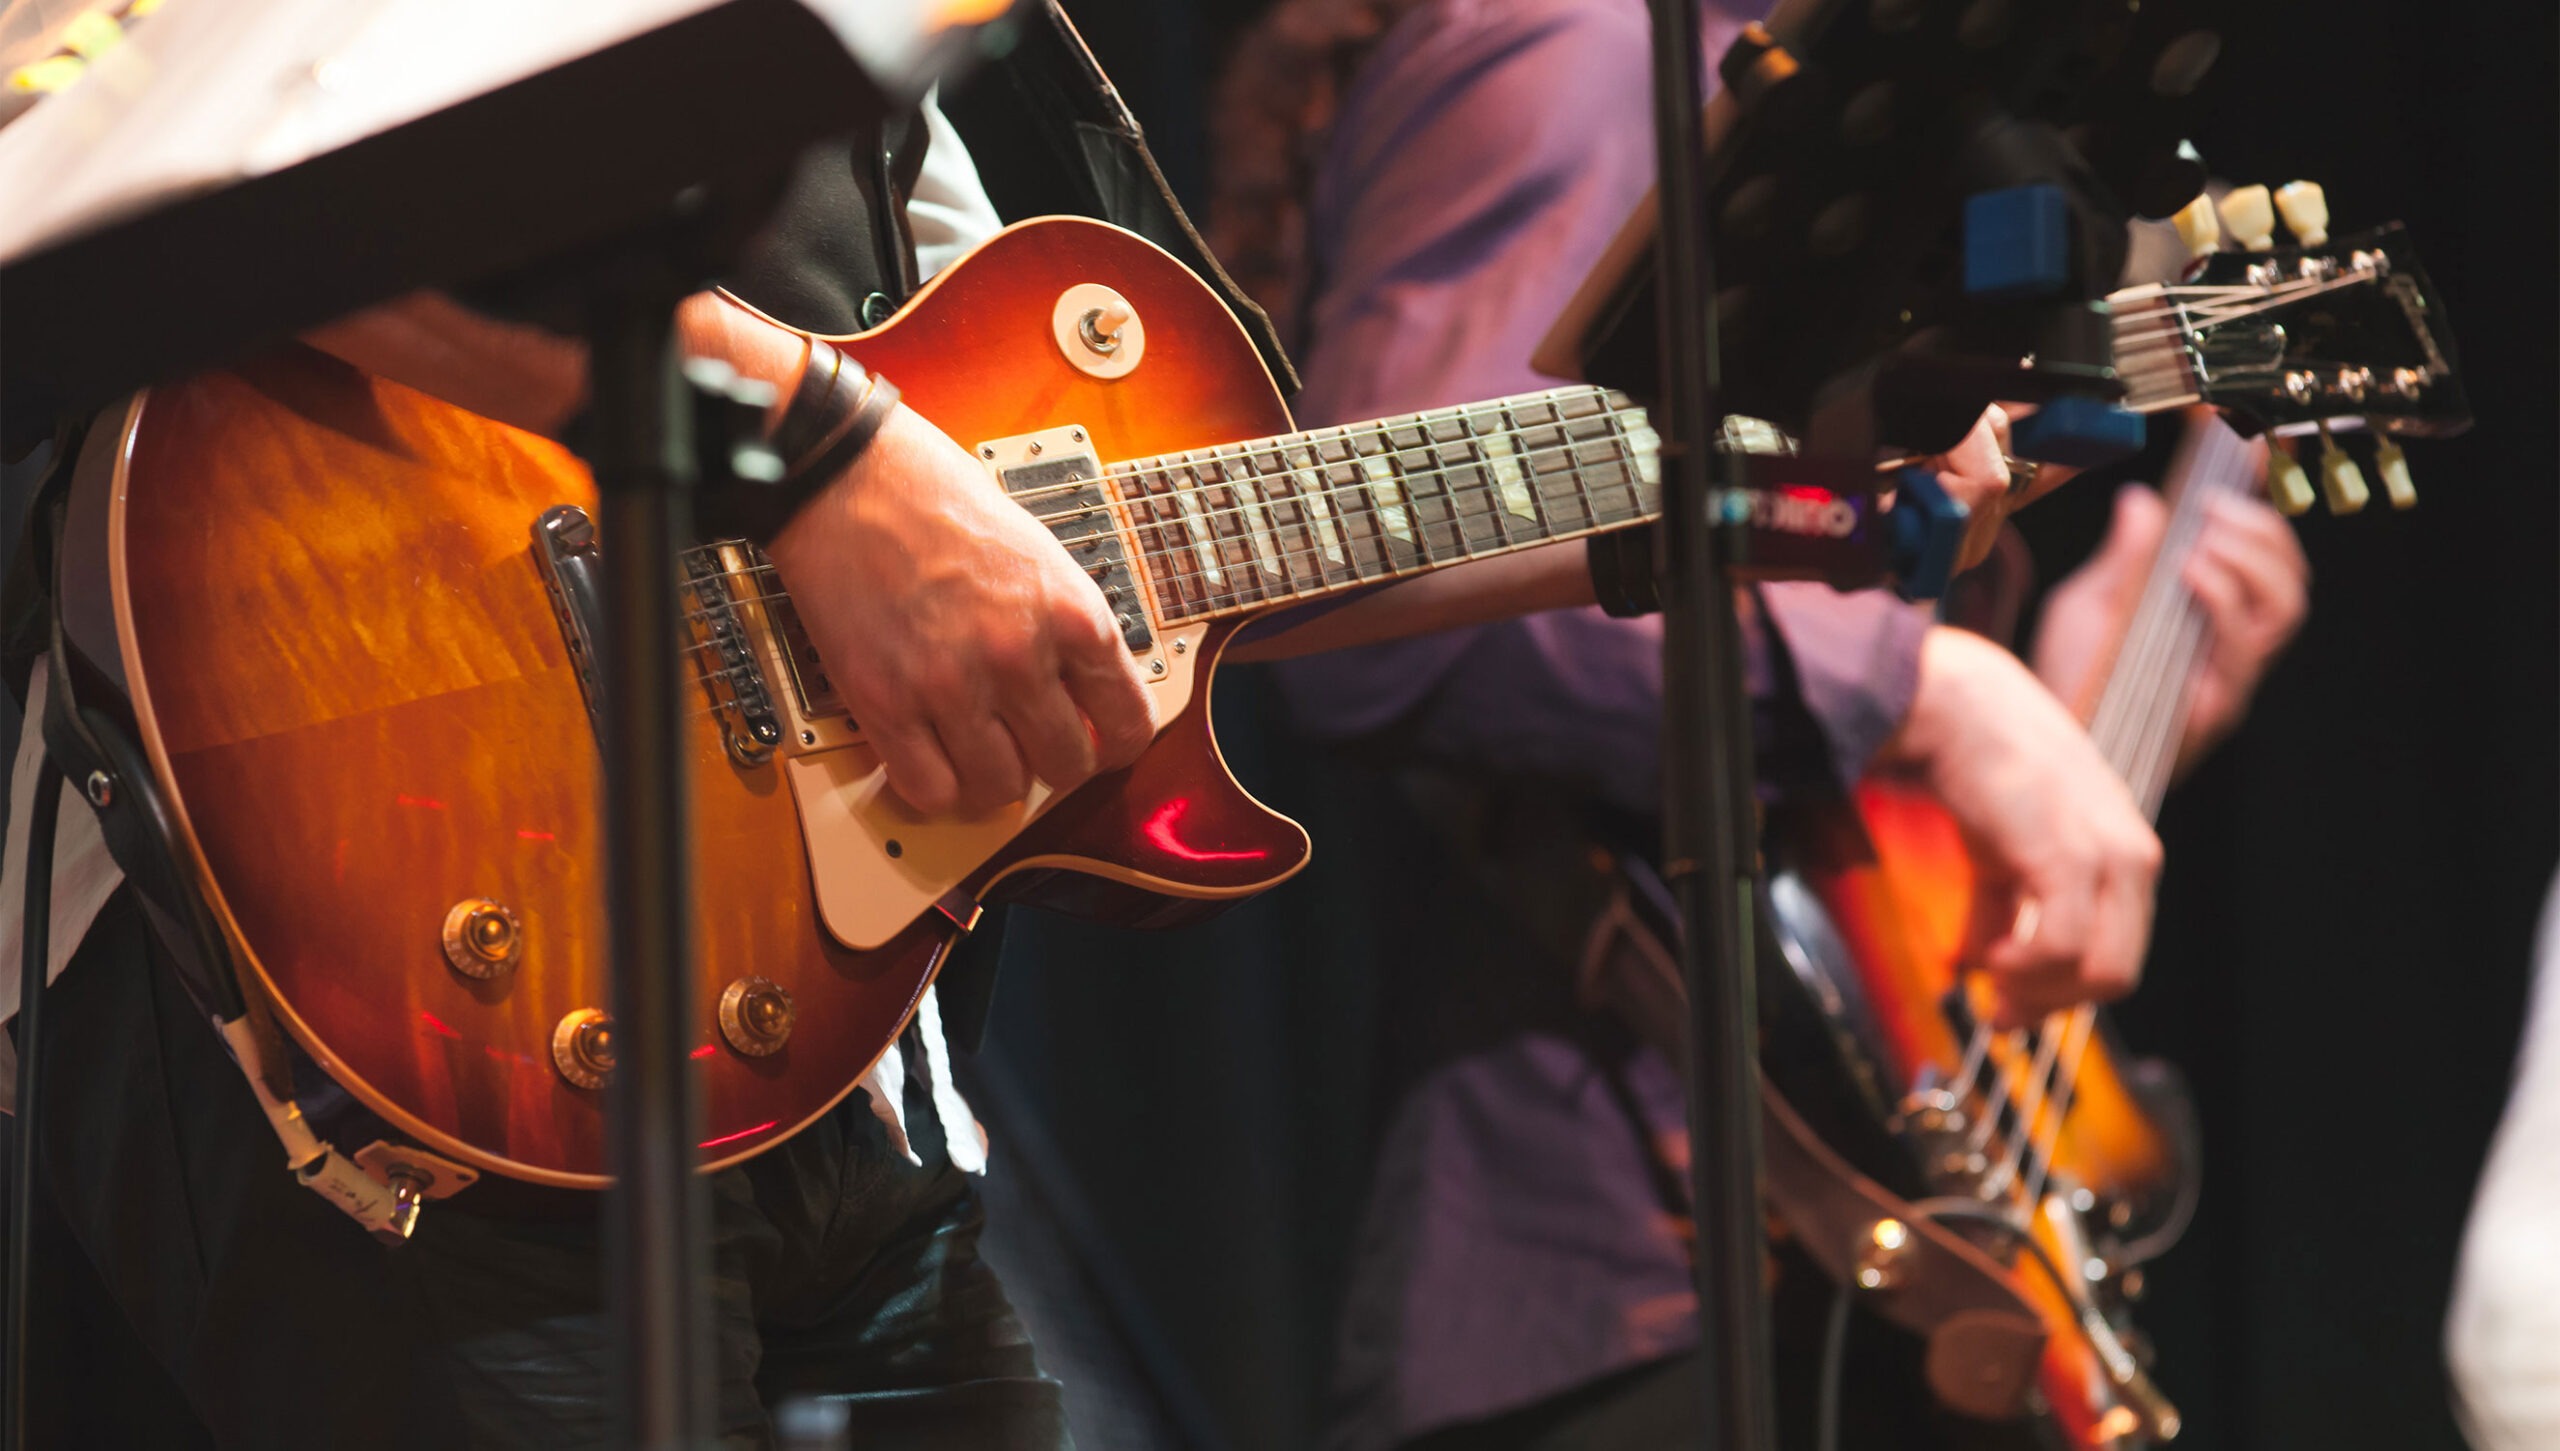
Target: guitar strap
{"points": [[96, 753], [1983, 1341], [1061, 95]]}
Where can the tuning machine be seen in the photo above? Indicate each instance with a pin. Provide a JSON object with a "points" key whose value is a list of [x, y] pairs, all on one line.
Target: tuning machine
{"points": [[2288, 487], [2342, 483], [2249, 214], [2392, 467], [2340, 480]]}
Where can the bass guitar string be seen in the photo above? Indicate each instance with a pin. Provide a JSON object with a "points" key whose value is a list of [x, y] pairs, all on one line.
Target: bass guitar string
{"points": [[2162, 728], [2132, 707], [2142, 713], [2135, 677]]}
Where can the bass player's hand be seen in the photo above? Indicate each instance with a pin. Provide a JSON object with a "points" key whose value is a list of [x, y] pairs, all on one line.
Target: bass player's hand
{"points": [[973, 652], [2248, 574], [2065, 862]]}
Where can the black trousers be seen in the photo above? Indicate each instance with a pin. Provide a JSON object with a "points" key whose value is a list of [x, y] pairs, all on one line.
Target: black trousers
{"points": [[191, 1294], [1659, 1406]]}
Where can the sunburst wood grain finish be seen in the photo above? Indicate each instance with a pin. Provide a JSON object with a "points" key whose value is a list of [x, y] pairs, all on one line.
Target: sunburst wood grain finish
{"points": [[1895, 880], [345, 665]]}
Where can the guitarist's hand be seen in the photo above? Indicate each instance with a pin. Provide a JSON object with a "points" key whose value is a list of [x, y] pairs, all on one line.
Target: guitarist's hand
{"points": [[2065, 862], [2248, 574], [1976, 474], [972, 650]]}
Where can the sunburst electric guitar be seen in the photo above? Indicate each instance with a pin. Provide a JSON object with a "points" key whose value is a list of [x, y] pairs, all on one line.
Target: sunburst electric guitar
{"points": [[2070, 1160], [351, 623]]}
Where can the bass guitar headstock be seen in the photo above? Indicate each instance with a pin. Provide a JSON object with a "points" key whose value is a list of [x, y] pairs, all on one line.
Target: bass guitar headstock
{"points": [[2306, 342]]}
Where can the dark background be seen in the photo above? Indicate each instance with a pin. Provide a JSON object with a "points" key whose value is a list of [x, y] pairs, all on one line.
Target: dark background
{"points": [[2340, 964]]}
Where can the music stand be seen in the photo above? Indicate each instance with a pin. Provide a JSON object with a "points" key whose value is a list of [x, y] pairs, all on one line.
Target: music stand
{"points": [[230, 177]]}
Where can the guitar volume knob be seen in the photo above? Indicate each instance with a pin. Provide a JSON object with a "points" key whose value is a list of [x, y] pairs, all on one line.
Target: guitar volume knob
{"points": [[756, 1015], [582, 1047], [481, 938]]}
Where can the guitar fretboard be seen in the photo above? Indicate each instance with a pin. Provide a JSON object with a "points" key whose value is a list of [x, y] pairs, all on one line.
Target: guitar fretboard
{"points": [[1248, 525]]}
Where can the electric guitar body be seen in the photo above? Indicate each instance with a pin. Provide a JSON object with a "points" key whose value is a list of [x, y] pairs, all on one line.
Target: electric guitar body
{"points": [[337, 640], [1871, 900]]}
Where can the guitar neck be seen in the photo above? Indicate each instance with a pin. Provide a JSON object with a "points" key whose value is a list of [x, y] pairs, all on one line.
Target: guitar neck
{"points": [[1242, 527], [2141, 712], [1239, 528]]}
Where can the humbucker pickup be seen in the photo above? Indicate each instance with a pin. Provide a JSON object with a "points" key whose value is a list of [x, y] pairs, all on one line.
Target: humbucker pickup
{"points": [[1062, 488]]}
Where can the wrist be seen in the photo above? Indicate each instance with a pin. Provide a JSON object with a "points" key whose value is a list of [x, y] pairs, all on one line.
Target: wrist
{"points": [[836, 414], [1958, 680]]}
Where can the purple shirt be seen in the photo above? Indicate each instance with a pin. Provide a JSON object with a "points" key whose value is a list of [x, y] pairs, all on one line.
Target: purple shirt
{"points": [[1516, 1244]]}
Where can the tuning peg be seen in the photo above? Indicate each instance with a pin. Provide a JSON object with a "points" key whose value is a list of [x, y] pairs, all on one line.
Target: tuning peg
{"points": [[2305, 208], [2288, 487], [2340, 479], [2249, 215], [2198, 227], [2393, 467]]}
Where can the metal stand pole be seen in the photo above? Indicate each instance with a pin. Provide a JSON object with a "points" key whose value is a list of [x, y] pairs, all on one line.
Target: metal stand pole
{"points": [[1709, 840], [643, 462]]}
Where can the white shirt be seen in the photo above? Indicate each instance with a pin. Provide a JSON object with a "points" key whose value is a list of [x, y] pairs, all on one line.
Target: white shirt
{"points": [[2502, 1337], [949, 213]]}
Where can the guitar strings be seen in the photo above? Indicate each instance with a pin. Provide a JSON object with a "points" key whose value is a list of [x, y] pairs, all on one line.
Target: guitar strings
{"points": [[1356, 501], [1360, 497], [2140, 676], [2138, 723], [2130, 711]]}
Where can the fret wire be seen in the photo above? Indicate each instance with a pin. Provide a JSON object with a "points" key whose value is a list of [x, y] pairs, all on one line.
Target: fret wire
{"points": [[1573, 475], [1276, 543], [1329, 474], [1179, 568], [1482, 460], [1409, 483], [1352, 490], [1209, 571], [1448, 457], [1255, 516], [1238, 542], [1231, 582], [1354, 506], [1315, 512]]}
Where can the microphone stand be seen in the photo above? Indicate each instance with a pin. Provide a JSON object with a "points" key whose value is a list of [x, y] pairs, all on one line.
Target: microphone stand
{"points": [[1709, 841]]}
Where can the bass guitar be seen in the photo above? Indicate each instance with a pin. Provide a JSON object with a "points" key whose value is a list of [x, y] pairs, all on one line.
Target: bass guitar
{"points": [[353, 623], [2050, 1145]]}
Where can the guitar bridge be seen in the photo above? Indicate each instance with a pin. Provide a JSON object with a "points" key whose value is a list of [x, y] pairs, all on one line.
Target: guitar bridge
{"points": [[724, 654]]}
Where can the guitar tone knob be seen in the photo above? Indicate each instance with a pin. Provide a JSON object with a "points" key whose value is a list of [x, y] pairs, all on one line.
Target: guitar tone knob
{"points": [[756, 1015], [582, 1047], [481, 938]]}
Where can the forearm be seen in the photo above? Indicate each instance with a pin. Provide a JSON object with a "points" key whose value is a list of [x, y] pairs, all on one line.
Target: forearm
{"points": [[524, 375], [1549, 577]]}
